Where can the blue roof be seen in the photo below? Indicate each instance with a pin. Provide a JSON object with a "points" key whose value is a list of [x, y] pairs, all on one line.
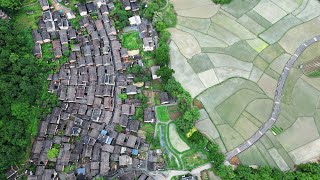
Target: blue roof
{"points": [[81, 171], [104, 132], [134, 152]]}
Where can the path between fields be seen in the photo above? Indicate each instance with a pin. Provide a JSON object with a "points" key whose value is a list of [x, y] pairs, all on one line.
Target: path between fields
{"points": [[277, 100]]}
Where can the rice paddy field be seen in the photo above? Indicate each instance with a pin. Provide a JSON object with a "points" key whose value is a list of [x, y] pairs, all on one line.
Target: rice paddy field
{"points": [[230, 58]]}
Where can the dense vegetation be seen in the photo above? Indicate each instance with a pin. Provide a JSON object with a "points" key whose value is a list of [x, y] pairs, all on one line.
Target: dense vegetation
{"points": [[24, 98], [120, 15], [10, 5], [222, 1]]}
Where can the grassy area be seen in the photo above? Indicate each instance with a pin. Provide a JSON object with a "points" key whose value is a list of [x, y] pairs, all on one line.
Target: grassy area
{"points": [[131, 40], [193, 158], [149, 130], [25, 21], [171, 162], [162, 113]]}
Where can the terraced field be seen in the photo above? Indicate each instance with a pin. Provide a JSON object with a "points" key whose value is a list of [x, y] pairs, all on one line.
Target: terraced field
{"points": [[234, 55]]}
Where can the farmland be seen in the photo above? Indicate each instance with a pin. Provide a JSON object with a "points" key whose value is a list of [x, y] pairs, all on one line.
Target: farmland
{"points": [[230, 58]]}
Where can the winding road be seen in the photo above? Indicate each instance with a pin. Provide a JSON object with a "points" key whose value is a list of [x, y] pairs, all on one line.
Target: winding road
{"points": [[277, 100]]}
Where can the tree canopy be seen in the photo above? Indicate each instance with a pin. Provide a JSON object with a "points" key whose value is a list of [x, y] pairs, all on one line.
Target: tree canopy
{"points": [[10, 4], [24, 98]]}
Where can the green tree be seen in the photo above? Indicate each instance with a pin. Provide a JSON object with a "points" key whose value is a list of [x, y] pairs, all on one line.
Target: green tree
{"points": [[150, 9], [53, 153], [165, 73], [120, 15], [162, 55]]}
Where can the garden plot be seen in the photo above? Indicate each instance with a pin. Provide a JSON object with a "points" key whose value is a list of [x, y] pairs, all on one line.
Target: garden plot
{"points": [[175, 139], [184, 73], [303, 131], [187, 44], [221, 145], [309, 54], [232, 107], [197, 24], [230, 136], [188, 4], [270, 11], [232, 26], [238, 8], [279, 63], [257, 44], [210, 99], [204, 40], [252, 156], [310, 11], [305, 98], [314, 82], [272, 73], [223, 60], [299, 34], [272, 52], [251, 118], [265, 153], [266, 142], [206, 11], [245, 127], [240, 50], [224, 73], [293, 77], [288, 5], [250, 24], [260, 63], [203, 114], [305, 153], [276, 31], [222, 34], [259, 19], [260, 109], [281, 163], [282, 122], [268, 84], [303, 4], [200, 63], [206, 127], [255, 75], [208, 78]]}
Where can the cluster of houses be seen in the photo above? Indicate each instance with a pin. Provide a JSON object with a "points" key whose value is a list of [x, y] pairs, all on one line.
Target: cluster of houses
{"points": [[89, 87]]}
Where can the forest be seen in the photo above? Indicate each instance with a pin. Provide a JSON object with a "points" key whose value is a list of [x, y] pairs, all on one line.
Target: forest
{"points": [[24, 97]]}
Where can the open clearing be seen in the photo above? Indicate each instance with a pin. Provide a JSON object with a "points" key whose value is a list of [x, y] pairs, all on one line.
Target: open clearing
{"points": [[231, 59]]}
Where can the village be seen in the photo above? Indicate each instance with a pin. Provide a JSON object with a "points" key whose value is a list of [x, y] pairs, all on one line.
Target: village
{"points": [[95, 132]]}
